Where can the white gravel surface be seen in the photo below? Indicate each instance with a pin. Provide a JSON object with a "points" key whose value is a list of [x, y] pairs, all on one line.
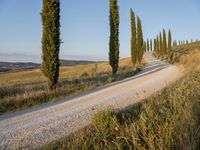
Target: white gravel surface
{"points": [[37, 126]]}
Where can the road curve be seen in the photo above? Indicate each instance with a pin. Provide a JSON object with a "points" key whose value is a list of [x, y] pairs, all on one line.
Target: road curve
{"points": [[37, 126]]}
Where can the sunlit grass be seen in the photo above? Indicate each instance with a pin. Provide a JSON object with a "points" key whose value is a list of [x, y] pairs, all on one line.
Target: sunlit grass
{"points": [[24, 89]]}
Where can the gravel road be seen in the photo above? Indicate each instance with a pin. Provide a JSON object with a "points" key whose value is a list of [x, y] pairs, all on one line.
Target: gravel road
{"points": [[40, 125]]}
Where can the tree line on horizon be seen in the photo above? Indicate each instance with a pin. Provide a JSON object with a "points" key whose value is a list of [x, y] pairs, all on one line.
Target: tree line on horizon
{"points": [[163, 44], [51, 41]]}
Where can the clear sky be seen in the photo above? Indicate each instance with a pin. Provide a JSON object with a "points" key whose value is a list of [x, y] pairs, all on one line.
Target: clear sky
{"points": [[85, 26]]}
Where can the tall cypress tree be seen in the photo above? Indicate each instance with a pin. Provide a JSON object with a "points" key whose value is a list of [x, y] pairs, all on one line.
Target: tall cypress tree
{"points": [[155, 44], [133, 38], [139, 40], [51, 41], [164, 42], [161, 45], [169, 40], [151, 45], [158, 44], [114, 36], [144, 46], [176, 44], [147, 45]]}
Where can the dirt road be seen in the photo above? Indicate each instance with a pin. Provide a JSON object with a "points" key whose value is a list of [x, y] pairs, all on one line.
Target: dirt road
{"points": [[37, 126]]}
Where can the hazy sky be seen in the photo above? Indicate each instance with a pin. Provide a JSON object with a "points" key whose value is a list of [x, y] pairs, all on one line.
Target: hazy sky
{"points": [[85, 26]]}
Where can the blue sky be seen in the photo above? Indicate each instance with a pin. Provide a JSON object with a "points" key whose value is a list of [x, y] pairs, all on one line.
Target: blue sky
{"points": [[85, 26]]}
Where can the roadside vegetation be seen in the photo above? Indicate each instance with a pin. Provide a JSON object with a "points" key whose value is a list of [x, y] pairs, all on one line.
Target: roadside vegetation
{"points": [[24, 89], [169, 119]]}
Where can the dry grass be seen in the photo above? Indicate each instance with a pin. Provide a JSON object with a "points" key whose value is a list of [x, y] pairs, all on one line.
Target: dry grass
{"points": [[170, 119], [177, 52], [24, 89], [191, 62]]}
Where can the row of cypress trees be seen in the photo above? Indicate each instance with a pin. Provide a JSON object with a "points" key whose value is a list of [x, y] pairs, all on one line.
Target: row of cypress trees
{"points": [[183, 42], [162, 44], [138, 45], [149, 45], [50, 17]]}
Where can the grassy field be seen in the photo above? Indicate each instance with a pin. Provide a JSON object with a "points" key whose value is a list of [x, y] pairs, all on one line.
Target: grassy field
{"points": [[169, 119], [24, 89]]}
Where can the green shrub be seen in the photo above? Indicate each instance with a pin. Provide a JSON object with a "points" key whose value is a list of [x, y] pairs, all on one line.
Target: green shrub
{"points": [[110, 79], [105, 122]]}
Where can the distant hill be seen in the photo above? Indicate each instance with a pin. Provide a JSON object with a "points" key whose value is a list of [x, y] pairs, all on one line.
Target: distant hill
{"points": [[76, 62], [10, 66], [18, 66]]}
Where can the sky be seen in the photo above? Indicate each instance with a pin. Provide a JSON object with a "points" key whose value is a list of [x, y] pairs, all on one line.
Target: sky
{"points": [[85, 26]]}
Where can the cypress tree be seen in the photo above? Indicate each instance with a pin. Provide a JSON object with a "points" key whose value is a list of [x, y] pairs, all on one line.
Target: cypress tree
{"points": [[139, 40], [155, 44], [144, 46], [161, 48], [147, 45], [176, 44], [133, 38], [114, 36], [164, 42], [51, 41], [151, 45], [169, 40], [173, 43]]}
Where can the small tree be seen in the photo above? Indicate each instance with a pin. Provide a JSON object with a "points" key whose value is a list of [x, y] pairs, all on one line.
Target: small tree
{"points": [[51, 41], [114, 36], [133, 38]]}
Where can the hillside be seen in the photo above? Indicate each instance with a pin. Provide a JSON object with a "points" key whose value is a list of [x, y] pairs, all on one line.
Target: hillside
{"points": [[76, 62], [9, 66], [19, 66]]}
